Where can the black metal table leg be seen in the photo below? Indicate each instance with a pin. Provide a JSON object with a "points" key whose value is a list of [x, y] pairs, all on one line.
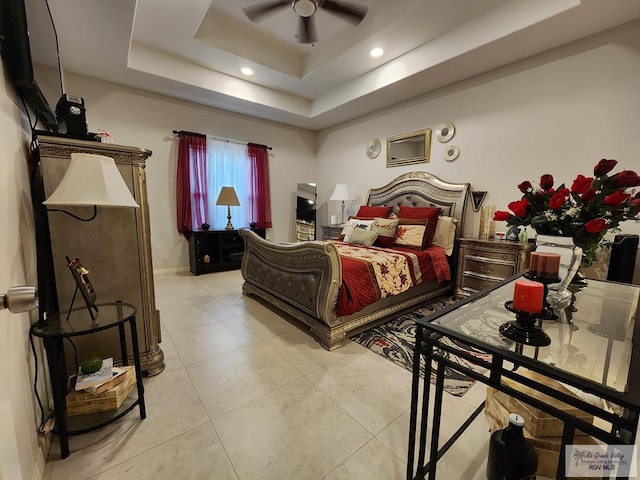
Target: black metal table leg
{"points": [[58, 376], [136, 361]]}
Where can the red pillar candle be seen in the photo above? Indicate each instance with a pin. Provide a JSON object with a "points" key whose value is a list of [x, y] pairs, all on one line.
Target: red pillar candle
{"points": [[528, 296], [544, 265]]}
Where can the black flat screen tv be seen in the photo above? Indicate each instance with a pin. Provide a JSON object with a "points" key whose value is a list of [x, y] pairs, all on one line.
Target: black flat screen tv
{"points": [[16, 51]]}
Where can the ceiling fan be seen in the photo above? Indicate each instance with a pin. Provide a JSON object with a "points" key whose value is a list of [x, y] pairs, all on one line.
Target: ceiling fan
{"points": [[305, 9]]}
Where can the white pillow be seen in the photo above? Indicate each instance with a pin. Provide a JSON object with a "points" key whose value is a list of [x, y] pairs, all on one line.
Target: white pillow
{"points": [[445, 233], [352, 224]]}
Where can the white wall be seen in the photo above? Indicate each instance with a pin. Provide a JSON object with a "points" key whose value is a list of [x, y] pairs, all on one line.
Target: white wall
{"points": [[558, 113], [21, 456], [138, 118]]}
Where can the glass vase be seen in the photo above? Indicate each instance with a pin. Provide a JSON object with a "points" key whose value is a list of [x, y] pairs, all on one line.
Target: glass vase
{"points": [[570, 259]]}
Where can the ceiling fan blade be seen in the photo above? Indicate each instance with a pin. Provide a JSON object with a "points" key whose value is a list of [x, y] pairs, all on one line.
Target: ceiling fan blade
{"points": [[307, 30], [255, 12], [350, 12]]}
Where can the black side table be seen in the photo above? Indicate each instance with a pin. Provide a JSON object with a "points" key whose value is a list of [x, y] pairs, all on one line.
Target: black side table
{"points": [[73, 324]]}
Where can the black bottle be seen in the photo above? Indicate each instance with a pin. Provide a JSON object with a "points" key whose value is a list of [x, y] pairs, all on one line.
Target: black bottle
{"points": [[511, 456]]}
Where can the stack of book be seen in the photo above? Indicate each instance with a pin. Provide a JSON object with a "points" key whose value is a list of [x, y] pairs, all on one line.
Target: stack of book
{"points": [[101, 391]]}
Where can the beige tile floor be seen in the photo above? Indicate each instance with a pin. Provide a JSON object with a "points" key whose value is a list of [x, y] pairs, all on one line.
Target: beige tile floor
{"points": [[247, 395]]}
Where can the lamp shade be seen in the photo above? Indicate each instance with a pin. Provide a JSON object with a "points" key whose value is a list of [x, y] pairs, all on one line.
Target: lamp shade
{"points": [[228, 196], [341, 192], [92, 180]]}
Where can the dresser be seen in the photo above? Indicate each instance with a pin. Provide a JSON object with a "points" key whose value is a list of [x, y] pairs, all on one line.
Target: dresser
{"points": [[483, 263], [115, 247]]}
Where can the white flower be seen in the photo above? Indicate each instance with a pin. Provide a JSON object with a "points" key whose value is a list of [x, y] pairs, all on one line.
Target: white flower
{"points": [[549, 215], [571, 212]]}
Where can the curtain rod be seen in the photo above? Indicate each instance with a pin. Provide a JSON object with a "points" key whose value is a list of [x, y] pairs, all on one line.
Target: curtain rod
{"points": [[229, 140]]}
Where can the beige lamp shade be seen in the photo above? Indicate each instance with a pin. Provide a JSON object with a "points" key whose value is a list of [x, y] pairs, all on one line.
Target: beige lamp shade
{"points": [[228, 196], [341, 192], [92, 180]]}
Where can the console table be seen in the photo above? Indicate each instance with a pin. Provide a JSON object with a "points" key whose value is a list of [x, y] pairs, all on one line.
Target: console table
{"points": [[76, 323], [216, 250], [602, 320]]}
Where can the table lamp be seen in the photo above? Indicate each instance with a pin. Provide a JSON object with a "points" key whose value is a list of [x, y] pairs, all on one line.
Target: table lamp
{"points": [[341, 192], [90, 181], [229, 198]]}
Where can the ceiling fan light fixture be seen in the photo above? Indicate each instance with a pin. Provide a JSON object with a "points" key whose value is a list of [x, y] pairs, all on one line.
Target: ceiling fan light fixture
{"points": [[376, 52], [305, 8]]}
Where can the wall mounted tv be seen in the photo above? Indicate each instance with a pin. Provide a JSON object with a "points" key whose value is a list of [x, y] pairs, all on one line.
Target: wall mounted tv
{"points": [[17, 50]]}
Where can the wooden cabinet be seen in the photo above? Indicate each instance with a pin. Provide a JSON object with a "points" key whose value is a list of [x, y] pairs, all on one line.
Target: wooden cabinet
{"points": [[115, 247], [331, 231], [485, 262], [216, 250]]}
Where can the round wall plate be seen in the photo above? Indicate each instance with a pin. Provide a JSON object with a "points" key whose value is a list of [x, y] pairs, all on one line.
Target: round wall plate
{"points": [[373, 148], [451, 153], [445, 132]]}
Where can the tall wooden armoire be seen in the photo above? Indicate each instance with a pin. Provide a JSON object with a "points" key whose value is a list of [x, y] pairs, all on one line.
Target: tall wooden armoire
{"points": [[115, 247]]}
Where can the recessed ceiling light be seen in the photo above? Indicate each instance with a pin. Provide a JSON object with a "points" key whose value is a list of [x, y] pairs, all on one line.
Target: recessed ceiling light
{"points": [[246, 71], [376, 52]]}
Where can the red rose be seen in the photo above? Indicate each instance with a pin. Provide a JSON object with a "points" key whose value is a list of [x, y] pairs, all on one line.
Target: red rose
{"points": [[525, 186], [596, 225], [626, 178], [519, 208], [603, 167], [557, 200], [616, 198], [588, 195], [581, 184], [635, 203], [546, 181], [501, 216]]}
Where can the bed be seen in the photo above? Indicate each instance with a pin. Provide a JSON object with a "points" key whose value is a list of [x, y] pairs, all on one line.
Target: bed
{"points": [[304, 279]]}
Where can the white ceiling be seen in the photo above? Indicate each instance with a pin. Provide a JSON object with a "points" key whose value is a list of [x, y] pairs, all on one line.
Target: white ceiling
{"points": [[194, 49]]}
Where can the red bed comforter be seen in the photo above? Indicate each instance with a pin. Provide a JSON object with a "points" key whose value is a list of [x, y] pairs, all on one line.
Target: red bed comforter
{"points": [[370, 273]]}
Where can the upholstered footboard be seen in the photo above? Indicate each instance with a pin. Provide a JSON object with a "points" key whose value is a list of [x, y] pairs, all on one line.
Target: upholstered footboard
{"points": [[303, 280]]}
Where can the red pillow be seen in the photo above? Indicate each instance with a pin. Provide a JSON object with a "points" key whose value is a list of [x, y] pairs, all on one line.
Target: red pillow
{"points": [[423, 213], [382, 212]]}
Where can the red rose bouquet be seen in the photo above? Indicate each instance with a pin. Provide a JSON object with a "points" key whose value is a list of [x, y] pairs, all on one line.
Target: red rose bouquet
{"points": [[586, 210]]}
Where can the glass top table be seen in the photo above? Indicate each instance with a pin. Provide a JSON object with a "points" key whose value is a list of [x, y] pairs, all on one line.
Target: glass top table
{"points": [[78, 321], [592, 353], [595, 344]]}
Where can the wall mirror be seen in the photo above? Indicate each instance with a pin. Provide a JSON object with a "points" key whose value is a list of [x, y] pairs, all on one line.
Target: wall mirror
{"points": [[306, 212], [407, 148]]}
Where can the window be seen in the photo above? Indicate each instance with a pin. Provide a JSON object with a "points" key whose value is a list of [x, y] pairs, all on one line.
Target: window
{"points": [[205, 165]]}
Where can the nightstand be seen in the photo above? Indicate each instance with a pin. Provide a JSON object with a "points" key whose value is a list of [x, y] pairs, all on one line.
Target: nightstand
{"points": [[330, 232], [483, 263]]}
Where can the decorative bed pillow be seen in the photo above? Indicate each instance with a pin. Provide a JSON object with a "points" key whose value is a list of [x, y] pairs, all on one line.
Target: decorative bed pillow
{"points": [[367, 211], [365, 238], [423, 213], [351, 225], [412, 233], [386, 230], [445, 233]]}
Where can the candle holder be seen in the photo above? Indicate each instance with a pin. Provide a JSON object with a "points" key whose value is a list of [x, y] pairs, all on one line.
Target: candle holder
{"points": [[549, 307], [525, 329]]}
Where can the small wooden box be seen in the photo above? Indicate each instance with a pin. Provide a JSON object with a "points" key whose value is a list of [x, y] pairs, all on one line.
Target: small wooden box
{"points": [[81, 402], [547, 448], [539, 423]]}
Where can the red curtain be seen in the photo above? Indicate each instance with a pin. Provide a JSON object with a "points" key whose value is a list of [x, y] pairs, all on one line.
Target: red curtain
{"points": [[260, 207], [191, 192]]}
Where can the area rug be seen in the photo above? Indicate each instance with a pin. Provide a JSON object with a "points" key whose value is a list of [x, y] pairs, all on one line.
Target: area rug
{"points": [[395, 339]]}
